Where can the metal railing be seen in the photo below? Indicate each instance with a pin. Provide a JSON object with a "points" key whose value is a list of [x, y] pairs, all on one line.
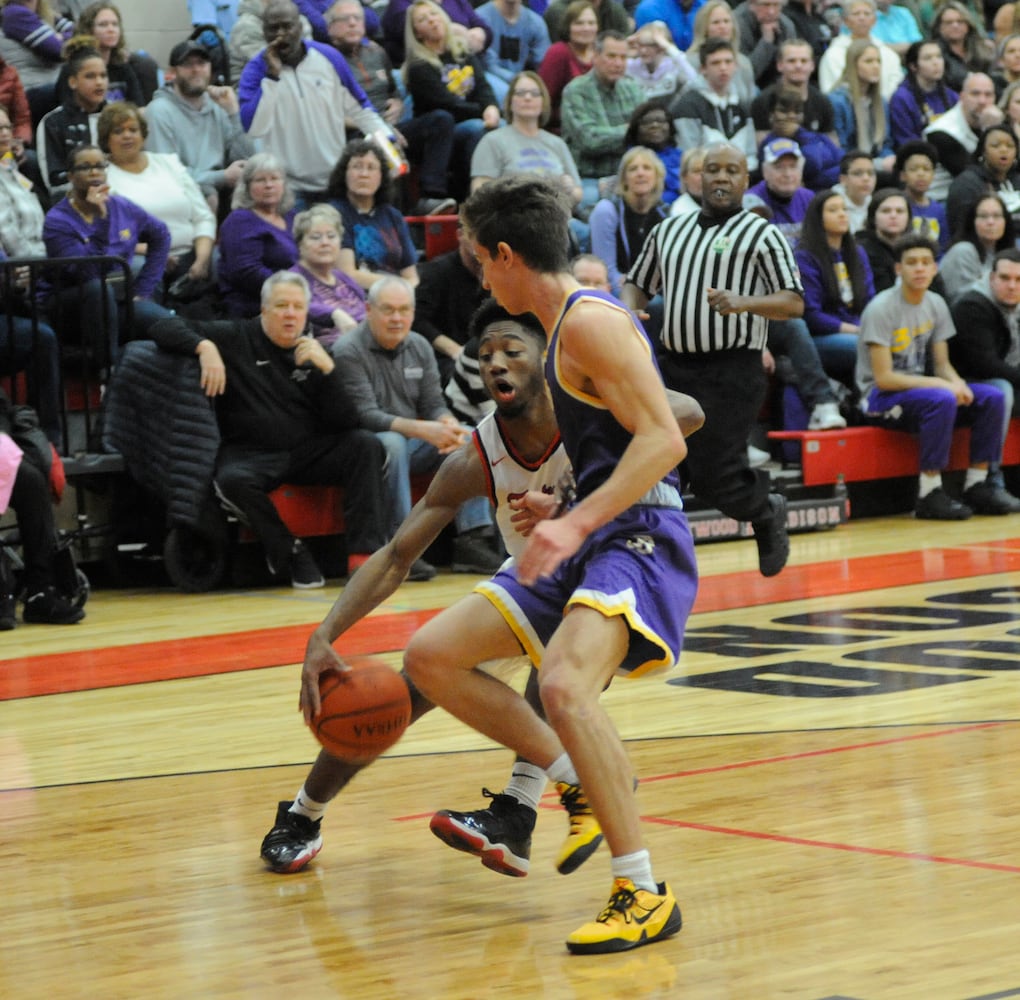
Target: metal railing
{"points": [[40, 292]]}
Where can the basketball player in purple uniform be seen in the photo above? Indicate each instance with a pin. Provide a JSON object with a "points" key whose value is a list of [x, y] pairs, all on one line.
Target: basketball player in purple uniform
{"points": [[605, 587]]}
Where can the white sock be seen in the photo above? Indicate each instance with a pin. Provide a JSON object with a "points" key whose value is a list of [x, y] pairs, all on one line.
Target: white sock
{"points": [[638, 868], [929, 482], [974, 476], [562, 769], [527, 783], [305, 805]]}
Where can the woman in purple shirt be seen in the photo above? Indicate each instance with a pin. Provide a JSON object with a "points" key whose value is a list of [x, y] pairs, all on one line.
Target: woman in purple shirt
{"points": [[338, 302], [837, 283], [255, 238], [91, 222], [923, 96]]}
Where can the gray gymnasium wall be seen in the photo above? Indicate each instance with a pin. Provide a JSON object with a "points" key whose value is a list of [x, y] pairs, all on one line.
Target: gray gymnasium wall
{"points": [[153, 25]]}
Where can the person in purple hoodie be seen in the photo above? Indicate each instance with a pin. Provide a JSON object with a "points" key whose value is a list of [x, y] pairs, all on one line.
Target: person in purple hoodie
{"points": [[91, 221], [781, 191], [837, 283], [922, 96]]}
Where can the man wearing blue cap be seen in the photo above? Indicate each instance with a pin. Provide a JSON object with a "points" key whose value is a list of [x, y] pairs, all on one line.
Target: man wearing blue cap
{"points": [[781, 195]]}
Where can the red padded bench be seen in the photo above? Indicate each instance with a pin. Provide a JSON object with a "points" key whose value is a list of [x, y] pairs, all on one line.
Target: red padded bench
{"points": [[317, 511], [857, 454], [440, 232]]}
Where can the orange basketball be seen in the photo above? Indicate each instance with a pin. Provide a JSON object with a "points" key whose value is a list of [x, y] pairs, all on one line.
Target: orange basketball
{"points": [[364, 711]]}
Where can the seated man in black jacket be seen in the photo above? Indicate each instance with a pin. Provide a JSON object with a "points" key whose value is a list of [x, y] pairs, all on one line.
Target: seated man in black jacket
{"points": [[284, 418], [986, 347], [447, 297]]}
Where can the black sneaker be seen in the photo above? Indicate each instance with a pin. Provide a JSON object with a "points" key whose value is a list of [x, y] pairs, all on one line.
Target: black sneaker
{"points": [[293, 841], [421, 571], [940, 506], [304, 573], [499, 835], [47, 607], [772, 538], [8, 612], [989, 498], [473, 553]]}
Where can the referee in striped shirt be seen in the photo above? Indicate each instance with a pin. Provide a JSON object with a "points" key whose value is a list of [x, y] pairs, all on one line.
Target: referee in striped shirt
{"points": [[723, 273]]}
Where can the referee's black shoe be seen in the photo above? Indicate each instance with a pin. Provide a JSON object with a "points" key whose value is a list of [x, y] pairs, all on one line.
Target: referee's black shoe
{"points": [[773, 541]]}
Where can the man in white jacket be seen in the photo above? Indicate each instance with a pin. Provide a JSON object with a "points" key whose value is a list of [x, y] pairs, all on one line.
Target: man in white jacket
{"points": [[296, 96]]}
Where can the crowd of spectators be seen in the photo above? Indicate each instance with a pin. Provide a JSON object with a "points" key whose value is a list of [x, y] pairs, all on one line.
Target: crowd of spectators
{"points": [[301, 136]]}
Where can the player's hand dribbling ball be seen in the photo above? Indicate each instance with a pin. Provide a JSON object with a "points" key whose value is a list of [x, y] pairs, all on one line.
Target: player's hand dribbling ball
{"points": [[364, 710]]}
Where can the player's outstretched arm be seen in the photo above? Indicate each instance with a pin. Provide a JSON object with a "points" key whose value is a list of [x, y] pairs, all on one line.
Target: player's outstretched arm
{"points": [[459, 478]]}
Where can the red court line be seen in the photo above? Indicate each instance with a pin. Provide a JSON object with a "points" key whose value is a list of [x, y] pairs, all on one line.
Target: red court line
{"points": [[833, 846], [113, 666], [783, 758], [200, 656], [801, 841]]}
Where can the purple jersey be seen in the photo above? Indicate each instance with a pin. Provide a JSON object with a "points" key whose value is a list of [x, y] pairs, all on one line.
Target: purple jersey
{"points": [[592, 436]]}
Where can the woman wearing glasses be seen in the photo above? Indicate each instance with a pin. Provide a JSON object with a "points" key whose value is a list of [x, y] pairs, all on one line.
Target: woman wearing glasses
{"points": [[338, 301], [90, 221], [523, 145]]}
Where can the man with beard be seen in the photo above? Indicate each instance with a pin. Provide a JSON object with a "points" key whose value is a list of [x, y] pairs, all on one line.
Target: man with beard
{"points": [[723, 273], [200, 123]]}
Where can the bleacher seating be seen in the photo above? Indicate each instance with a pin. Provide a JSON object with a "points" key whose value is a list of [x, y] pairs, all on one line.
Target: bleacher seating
{"points": [[858, 454]]}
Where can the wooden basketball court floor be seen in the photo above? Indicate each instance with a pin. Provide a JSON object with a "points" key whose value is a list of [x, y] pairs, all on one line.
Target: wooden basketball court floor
{"points": [[829, 782]]}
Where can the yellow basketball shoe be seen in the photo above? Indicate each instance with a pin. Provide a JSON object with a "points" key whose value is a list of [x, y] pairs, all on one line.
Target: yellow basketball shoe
{"points": [[632, 917], [584, 835]]}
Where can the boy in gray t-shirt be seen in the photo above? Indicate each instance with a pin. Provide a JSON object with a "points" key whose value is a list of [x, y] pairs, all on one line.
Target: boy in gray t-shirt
{"points": [[904, 334]]}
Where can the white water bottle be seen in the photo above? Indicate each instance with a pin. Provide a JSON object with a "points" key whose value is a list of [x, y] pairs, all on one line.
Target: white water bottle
{"points": [[394, 157]]}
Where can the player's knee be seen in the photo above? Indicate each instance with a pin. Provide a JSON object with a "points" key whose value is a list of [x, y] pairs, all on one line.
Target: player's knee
{"points": [[562, 696], [423, 664]]}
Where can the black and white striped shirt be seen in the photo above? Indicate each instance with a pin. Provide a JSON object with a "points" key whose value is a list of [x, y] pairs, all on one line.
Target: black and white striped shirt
{"points": [[687, 254]]}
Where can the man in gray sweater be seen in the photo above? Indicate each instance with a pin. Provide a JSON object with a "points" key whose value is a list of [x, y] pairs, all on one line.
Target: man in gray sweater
{"points": [[200, 123]]}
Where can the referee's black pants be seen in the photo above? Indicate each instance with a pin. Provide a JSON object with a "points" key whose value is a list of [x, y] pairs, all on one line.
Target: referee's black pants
{"points": [[730, 386]]}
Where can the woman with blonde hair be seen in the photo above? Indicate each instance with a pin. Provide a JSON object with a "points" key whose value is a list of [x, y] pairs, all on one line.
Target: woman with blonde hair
{"points": [[620, 224], [716, 20], [570, 56], [861, 115], [338, 302], [1009, 104], [440, 72], [1007, 65], [963, 42]]}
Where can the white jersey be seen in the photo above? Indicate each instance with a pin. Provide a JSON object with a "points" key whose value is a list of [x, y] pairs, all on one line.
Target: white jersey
{"points": [[509, 475]]}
